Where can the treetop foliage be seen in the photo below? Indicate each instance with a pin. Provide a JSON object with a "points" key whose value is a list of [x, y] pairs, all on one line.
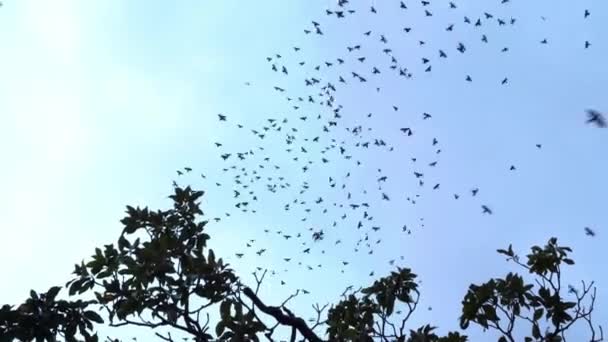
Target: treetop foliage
{"points": [[161, 275]]}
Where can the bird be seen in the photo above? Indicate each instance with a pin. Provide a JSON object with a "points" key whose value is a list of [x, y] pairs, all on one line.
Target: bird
{"points": [[596, 118], [486, 210], [221, 117], [589, 232]]}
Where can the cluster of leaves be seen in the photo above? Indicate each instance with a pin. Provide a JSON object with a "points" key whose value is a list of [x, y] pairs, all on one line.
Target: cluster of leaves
{"points": [[161, 274], [368, 318], [502, 303], [243, 326], [42, 317], [352, 318]]}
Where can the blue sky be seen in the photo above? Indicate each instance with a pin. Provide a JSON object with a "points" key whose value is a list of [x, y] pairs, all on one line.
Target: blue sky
{"points": [[101, 101]]}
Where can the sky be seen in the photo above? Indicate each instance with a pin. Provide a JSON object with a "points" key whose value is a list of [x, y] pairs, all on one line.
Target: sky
{"points": [[101, 102]]}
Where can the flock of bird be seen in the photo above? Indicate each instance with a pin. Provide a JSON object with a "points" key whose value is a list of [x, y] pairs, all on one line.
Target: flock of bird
{"points": [[315, 133]]}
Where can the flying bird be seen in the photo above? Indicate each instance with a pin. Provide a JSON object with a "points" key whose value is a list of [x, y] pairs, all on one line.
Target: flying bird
{"points": [[486, 210], [589, 232], [596, 118]]}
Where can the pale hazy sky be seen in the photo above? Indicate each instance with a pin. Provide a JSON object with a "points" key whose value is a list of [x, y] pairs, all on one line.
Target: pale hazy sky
{"points": [[101, 101]]}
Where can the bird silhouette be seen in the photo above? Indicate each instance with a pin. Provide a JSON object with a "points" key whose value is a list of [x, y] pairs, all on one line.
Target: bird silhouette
{"points": [[595, 117], [486, 210]]}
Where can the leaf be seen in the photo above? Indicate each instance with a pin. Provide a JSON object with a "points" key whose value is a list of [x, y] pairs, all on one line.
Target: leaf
{"points": [[238, 307], [52, 293], [505, 252], [502, 339], [568, 261], [351, 334], [490, 312], [211, 258], [516, 310], [225, 309], [93, 338], [219, 328], [104, 274], [34, 295], [123, 243], [93, 316], [390, 305], [538, 313], [536, 331], [172, 315], [76, 286]]}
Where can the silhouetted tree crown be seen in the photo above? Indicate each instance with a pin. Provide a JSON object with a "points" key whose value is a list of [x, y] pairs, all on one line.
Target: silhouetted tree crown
{"points": [[161, 275]]}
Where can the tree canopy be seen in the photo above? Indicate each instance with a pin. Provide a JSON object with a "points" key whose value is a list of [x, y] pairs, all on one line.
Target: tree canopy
{"points": [[162, 275]]}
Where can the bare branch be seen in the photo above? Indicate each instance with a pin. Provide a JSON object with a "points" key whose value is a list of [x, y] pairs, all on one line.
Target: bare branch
{"points": [[285, 319]]}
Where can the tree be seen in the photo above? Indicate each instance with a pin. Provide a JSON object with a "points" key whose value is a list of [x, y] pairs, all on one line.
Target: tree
{"points": [[161, 273]]}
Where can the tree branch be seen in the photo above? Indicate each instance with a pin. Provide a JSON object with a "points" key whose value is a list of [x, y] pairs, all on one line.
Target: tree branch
{"points": [[289, 319]]}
